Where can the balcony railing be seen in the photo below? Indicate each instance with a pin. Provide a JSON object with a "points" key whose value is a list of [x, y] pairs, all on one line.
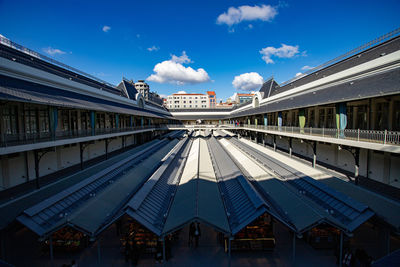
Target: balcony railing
{"points": [[383, 137], [31, 138]]}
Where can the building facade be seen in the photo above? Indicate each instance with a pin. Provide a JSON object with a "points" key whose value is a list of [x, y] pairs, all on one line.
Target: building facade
{"points": [[212, 98], [188, 101]]}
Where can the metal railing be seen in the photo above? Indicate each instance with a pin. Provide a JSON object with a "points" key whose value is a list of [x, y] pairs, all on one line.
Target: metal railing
{"points": [[383, 137], [8, 140], [357, 50], [30, 52]]}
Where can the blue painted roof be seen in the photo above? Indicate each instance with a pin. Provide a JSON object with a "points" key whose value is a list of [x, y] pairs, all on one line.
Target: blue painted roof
{"points": [[24, 91]]}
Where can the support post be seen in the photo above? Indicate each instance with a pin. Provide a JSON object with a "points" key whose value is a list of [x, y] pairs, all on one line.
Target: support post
{"points": [[163, 251], [98, 253], [36, 154], [314, 154], [81, 154], [51, 251], [387, 241], [3, 245], [357, 164], [106, 144], [294, 250], [290, 147], [341, 249], [274, 142], [229, 251]]}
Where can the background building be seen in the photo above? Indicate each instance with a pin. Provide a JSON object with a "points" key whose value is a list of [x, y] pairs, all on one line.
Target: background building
{"points": [[243, 98], [212, 98], [144, 89], [184, 101]]}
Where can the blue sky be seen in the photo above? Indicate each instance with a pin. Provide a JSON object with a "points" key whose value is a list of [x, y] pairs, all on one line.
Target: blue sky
{"points": [[196, 46]]}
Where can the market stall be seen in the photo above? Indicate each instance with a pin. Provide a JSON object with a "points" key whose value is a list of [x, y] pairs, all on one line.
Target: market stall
{"points": [[256, 236], [323, 236], [68, 239], [139, 238]]}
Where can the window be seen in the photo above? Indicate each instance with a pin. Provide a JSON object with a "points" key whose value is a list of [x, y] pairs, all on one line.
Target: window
{"points": [[10, 119], [44, 121]]}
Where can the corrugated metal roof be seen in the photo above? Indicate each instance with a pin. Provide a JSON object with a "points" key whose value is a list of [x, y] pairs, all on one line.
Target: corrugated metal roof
{"points": [[61, 209], [242, 202], [24, 91], [386, 209], [197, 197], [285, 205], [150, 204], [183, 207], [335, 207]]}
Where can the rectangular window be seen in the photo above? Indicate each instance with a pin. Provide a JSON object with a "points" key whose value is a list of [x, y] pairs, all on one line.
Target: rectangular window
{"points": [[10, 119]]}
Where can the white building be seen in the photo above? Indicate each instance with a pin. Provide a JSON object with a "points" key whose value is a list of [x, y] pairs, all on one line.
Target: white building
{"points": [[182, 101]]}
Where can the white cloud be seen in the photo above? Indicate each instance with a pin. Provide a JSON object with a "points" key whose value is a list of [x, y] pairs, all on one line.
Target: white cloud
{"points": [[250, 26], [181, 92], [247, 13], [182, 59], [173, 71], [299, 74], [248, 81], [285, 51], [153, 48], [106, 28], [53, 51], [306, 68]]}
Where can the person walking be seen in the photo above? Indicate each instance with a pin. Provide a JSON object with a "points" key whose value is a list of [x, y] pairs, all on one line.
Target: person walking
{"points": [[197, 234], [192, 230]]}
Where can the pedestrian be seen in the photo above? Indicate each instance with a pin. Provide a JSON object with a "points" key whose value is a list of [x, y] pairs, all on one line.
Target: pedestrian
{"points": [[192, 229], [197, 234], [348, 259], [127, 249]]}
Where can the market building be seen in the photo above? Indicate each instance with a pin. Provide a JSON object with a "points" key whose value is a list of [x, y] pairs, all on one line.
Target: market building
{"points": [[311, 163]]}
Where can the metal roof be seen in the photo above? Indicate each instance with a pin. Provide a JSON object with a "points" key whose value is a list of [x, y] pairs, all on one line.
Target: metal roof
{"points": [[336, 208], [74, 206], [284, 204], [385, 83], [242, 202], [18, 90], [386, 209], [197, 197], [150, 204]]}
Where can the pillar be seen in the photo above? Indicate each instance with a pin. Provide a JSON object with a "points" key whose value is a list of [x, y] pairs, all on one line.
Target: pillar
{"points": [[98, 253], [314, 146], [341, 249], [163, 251], [36, 156], [51, 251], [294, 249]]}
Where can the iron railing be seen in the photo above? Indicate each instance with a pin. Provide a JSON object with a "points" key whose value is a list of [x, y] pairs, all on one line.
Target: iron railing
{"points": [[31, 138], [383, 137]]}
